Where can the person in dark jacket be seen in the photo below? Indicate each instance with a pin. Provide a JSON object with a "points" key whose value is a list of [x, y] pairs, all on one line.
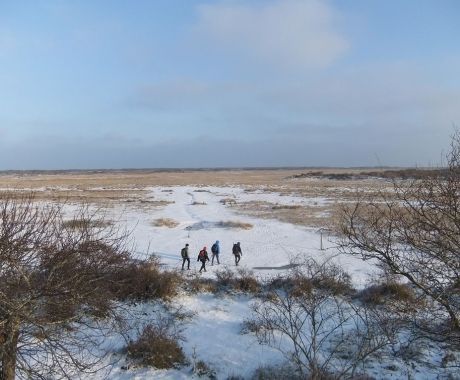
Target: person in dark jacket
{"points": [[185, 257], [203, 257], [236, 250], [215, 250]]}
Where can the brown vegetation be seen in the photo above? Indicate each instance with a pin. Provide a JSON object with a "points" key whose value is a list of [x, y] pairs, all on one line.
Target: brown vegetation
{"points": [[242, 280], [156, 347], [53, 276], [234, 224], [86, 223], [165, 222], [415, 234], [144, 280]]}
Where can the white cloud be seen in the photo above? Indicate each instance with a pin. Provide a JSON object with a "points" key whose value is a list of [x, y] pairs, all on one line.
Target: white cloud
{"points": [[292, 33]]}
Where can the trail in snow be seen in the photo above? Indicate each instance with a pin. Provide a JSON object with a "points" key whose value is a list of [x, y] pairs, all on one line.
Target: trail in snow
{"points": [[270, 243]]}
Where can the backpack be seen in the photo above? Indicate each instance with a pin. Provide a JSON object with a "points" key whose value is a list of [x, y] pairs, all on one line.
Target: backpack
{"points": [[202, 255], [235, 249], [183, 252], [214, 248]]}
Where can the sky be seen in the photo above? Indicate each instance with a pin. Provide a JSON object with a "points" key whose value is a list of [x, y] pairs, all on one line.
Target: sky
{"points": [[227, 83]]}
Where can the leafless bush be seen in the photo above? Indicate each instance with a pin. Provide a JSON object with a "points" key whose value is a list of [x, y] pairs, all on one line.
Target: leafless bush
{"points": [[276, 373], [165, 222], [156, 347], [327, 334], [242, 280], [198, 284], [387, 292], [309, 274], [87, 223], [144, 280], [415, 234], [200, 368], [53, 278]]}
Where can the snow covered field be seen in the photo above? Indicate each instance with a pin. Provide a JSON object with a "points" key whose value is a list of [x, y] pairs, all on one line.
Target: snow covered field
{"points": [[164, 216], [213, 334], [269, 243]]}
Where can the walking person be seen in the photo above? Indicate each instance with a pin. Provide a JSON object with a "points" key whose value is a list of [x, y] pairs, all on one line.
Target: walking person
{"points": [[215, 250], [236, 250], [203, 257], [185, 257]]}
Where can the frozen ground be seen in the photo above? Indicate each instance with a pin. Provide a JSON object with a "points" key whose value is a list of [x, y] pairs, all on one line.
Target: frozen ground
{"points": [[213, 334], [269, 243]]}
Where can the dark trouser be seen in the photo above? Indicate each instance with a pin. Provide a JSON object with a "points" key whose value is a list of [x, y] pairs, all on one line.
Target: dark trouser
{"points": [[216, 255], [203, 265], [237, 259], [184, 259]]}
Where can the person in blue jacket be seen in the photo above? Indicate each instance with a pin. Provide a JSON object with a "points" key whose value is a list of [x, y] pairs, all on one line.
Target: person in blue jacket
{"points": [[215, 250]]}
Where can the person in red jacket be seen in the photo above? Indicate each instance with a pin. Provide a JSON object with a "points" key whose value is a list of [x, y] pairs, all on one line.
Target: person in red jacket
{"points": [[203, 257]]}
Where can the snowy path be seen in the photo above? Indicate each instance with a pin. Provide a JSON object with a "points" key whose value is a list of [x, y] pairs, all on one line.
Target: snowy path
{"points": [[269, 244]]}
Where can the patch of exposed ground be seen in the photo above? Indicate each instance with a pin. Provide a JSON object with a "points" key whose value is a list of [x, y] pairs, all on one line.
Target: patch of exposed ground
{"points": [[311, 216], [165, 222], [99, 197], [205, 225]]}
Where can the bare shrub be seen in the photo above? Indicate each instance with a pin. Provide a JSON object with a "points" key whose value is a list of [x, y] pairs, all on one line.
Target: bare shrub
{"points": [[198, 284], [309, 274], [53, 277], [165, 222], [200, 368], [415, 234], [387, 292], [86, 223], [242, 280], [156, 347], [246, 282], [282, 372], [144, 280], [328, 335], [225, 277]]}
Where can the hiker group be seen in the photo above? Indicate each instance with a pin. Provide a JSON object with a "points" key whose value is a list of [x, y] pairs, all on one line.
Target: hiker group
{"points": [[203, 255]]}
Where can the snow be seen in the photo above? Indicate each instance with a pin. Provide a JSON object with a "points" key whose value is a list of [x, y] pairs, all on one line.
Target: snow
{"points": [[214, 332], [269, 243]]}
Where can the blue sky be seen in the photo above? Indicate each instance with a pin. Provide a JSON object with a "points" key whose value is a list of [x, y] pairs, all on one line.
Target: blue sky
{"points": [[188, 83]]}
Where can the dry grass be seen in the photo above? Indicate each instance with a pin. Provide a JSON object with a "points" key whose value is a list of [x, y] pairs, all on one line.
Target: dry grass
{"points": [[165, 222], [132, 188], [145, 280], [286, 207], [387, 292], [312, 216], [86, 223], [155, 347], [139, 179], [199, 203], [234, 224]]}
